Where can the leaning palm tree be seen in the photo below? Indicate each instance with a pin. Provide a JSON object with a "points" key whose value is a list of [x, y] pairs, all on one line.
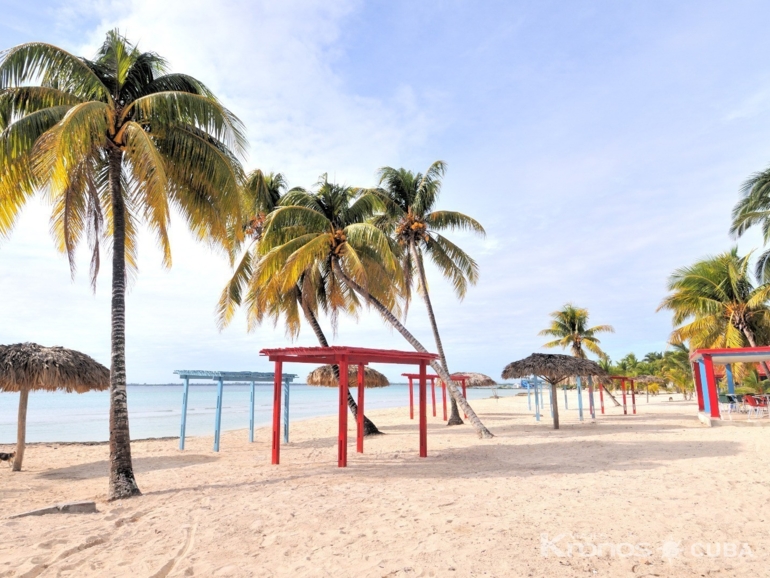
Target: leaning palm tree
{"points": [[411, 219], [115, 139], [270, 298], [331, 228], [716, 303], [570, 327]]}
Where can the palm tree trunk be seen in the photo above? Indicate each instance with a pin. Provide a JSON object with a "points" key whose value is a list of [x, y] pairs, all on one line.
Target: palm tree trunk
{"points": [[555, 405], [122, 482], [454, 417], [481, 429], [750, 338], [609, 394], [369, 427], [21, 429]]}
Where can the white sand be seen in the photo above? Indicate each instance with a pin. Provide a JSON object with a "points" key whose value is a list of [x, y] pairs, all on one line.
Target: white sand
{"points": [[472, 508]]}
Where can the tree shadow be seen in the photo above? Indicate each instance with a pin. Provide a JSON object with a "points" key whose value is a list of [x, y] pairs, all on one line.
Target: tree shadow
{"points": [[142, 465]]}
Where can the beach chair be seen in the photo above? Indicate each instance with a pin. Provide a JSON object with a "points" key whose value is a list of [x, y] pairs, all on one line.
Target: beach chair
{"points": [[727, 405], [755, 406]]}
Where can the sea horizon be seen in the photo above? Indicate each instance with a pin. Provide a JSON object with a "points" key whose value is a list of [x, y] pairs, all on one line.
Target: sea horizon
{"points": [[155, 409]]}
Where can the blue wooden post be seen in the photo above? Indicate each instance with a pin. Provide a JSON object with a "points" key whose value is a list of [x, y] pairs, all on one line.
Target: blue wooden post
{"points": [[580, 398], [704, 388], [286, 411], [529, 396], [185, 391], [565, 397], [730, 380], [550, 400], [251, 415], [218, 422], [537, 403], [591, 401]]}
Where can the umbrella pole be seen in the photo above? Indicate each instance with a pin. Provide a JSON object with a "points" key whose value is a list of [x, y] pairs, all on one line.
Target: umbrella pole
{"points": [[21, 429], [537, 403], [218, 417], [529, 397]]}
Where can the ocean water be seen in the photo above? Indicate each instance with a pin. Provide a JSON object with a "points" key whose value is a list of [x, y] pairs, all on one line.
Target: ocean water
{"points": [[155, 411]]}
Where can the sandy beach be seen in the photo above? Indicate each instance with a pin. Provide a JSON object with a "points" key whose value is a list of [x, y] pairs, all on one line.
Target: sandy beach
{"points": [[656, 494]]}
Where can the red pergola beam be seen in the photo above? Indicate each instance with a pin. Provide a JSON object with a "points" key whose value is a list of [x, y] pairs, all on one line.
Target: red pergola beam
{"points": [[344, 356], [433, 378]]}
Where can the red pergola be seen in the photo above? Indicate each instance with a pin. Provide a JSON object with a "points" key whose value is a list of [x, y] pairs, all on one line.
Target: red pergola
{"points": [[343, 357], [433, 379], [623, 379]]}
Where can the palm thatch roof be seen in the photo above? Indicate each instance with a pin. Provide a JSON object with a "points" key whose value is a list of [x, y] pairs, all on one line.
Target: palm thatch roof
{"points": [[32, 366], [475, 379], [324, 376], [553, 367]]}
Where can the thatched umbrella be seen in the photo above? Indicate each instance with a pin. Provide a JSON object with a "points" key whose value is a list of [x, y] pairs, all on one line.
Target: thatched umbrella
{"points": [[553, 368], [324, 376], [647, 380], [28, 366], [475, 379]]}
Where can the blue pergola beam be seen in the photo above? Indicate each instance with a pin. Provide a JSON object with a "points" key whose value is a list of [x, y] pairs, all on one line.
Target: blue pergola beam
{"points": [[220, 377]]}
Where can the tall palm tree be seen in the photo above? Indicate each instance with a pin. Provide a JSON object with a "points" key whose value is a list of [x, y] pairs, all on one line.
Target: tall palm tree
{"points": [[119, 139], [570, 327], [269, 298], [716, 303], [754, 209], [411, 219], [332, 228]]}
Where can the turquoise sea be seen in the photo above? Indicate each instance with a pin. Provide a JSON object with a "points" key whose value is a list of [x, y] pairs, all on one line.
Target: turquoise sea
{"points": [[155, 410]]}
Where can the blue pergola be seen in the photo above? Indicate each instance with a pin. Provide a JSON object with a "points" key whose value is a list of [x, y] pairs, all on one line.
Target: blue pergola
{"points": [[220, 377]]}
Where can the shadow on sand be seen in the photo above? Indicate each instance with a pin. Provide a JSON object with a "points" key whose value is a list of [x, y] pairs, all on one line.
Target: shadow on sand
{"points": [[141, 465]]}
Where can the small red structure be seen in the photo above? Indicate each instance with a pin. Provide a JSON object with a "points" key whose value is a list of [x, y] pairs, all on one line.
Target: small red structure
{"points": [[623, 379], [343, 357], [433, 379]]}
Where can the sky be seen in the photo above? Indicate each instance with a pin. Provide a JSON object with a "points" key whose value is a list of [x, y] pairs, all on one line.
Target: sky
{"points": [[601, 144]]}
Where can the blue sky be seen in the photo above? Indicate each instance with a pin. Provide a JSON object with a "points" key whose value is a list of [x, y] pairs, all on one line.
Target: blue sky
{"points": [[601, 144]]}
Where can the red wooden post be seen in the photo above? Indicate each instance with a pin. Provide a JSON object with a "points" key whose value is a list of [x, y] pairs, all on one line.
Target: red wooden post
{"points": [[423, 413], [601, 396], [711, 382], [443, 396], [342, 438], [623, 387], [411, 399], [433, 394], [698, 385], [464, 395], [277, 388], [633, 396], [360, 414]]}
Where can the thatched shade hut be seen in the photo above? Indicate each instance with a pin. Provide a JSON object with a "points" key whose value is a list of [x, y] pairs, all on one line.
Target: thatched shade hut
{"points": [[646, 380], [324, 376], [553, 368], [28, 366], [475, 379]]}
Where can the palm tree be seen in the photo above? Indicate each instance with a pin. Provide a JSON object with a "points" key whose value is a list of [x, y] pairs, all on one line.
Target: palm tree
{"points": [[754, 209], [115, 138], [331, 228], [716, 303], [412, 221], [569, 326], [270, 298]]}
